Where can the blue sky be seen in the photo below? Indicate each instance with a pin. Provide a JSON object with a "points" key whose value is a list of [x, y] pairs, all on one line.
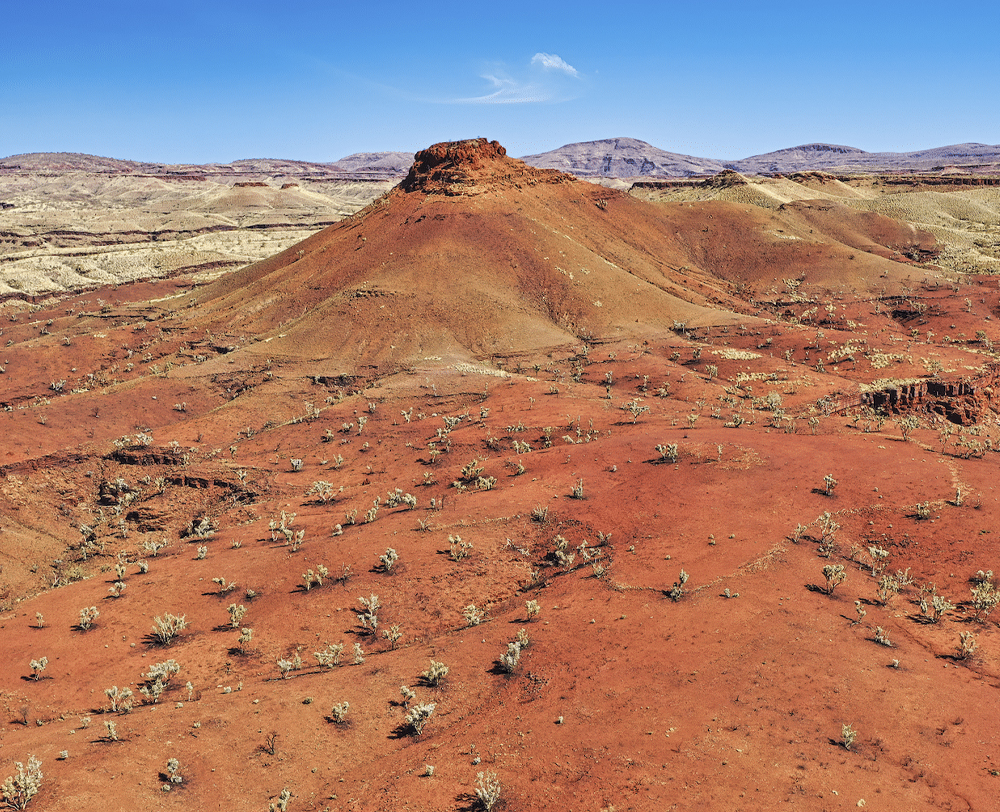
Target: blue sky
{"points": [[186, 81]]}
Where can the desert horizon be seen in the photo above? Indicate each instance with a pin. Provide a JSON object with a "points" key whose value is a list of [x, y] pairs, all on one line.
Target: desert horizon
{"points": [[802, 157]]}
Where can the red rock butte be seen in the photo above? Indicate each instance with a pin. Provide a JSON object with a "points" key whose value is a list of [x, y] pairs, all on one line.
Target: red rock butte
{"points": [[476, 255], [453, 166]]}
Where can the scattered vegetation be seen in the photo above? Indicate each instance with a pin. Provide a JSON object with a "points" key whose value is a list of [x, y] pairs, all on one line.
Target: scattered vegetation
{"points": [[87, 617], [174, 771], [388, 560], [330, 656], [966, 645], [368, 618], [829, 483], [458, 549], [418, 716], [121, 520], [38, 667], [882, 638], [472, 615], [676, 592], [338, 713], [668, 453], [510, 658], [281, 805], [236, 613], [121, 699]]}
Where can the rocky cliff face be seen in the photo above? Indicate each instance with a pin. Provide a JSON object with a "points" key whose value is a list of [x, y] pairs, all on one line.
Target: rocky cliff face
{"points": [[460, 167]]}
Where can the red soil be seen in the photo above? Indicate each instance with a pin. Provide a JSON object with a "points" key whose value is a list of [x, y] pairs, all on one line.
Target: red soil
{"points": [[625, 698]]}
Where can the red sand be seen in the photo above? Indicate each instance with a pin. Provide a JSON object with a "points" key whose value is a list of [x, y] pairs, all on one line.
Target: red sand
{"points": [[625, 699]]}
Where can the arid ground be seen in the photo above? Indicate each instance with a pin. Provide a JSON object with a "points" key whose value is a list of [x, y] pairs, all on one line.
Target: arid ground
{"points": [[69, 222], [694, 499]]}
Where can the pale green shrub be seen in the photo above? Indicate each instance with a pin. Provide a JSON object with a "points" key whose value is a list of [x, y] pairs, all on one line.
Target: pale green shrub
{"points": [[835, 575], [676, 592], [369, 617], [509, 659], [488, 789], [24, 785], [418, 715], [173, 771], [87, 617], [435, 673], [473, 616], [330, 656], [121, 698], [459, 549], [37, 667], [236, 613], [168, 628]]}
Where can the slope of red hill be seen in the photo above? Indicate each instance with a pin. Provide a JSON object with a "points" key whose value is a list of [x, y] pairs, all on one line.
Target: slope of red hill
{"points": [[477, 254]]}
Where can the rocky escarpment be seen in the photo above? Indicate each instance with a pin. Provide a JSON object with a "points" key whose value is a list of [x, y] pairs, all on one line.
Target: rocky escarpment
{"points": [[471, 166], [965, 400], [943, 182], [725, 179]]}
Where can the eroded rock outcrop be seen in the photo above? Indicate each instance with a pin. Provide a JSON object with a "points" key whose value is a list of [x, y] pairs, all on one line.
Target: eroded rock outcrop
{"points": [[963, 401], [465, 167]]}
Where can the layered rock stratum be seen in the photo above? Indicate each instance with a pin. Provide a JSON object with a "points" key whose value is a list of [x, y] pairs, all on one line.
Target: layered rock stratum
{"points": [[71, 221]]}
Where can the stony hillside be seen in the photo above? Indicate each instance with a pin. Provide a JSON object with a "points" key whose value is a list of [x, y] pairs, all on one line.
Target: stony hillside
{"points": [[544, 258], [622, 158]]}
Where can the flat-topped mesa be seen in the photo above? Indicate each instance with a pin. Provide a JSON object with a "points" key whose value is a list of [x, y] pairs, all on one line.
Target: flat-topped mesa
{"points": [[462, 167]]}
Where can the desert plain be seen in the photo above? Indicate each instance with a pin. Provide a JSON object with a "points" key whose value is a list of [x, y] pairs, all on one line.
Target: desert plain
{"points": [[507, 490]]}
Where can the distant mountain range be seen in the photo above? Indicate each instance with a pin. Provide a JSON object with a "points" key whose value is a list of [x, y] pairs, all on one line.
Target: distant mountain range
{"points": [[833, 158], [629, 157], [622, 158], [610, 158], [368, 165]]}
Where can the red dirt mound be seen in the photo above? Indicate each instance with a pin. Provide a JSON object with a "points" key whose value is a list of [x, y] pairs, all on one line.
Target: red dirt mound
{"points": [[473, 254], [477, 254]]}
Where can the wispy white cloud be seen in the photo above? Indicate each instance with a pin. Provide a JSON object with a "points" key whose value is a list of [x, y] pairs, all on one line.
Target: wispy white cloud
{"points": [[554, 62], [507, 90], [543, 79]]}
